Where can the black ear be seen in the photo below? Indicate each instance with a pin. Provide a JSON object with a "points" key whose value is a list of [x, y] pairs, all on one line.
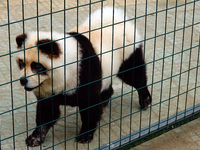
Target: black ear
{"points": [[51, 48], [20, 40]]}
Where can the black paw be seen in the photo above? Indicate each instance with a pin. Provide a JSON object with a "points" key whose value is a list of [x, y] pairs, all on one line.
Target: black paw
{"points": [[145, 102], [33, 141], [85, 138]]}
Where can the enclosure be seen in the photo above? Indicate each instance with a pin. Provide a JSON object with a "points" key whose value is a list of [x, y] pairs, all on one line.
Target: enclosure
{"points": [[171, 43]]}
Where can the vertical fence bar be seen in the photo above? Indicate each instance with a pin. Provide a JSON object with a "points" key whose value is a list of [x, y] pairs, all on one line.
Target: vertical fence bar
{"points": [[172, 68], [190, 55], [198, 56], [145, 35], [131, 110], [11, 84], [196, 80], [39, 108], [0, 133], [154, 56], [77, 44], [113, 13], [163, 61], [99, 129], [25, 70], [122, 88], [65, 111], [52, 69], [90, 22], [181, 64]]}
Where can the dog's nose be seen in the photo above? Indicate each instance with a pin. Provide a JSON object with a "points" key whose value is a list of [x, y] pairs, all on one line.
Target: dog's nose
{"points": [[23, 81]]}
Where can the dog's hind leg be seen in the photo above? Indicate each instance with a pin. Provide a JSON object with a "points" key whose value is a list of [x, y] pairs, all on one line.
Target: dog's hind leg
{"points": [[134, 74]]}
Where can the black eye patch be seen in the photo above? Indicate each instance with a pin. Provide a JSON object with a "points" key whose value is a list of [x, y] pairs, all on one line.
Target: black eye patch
{"points": [[21, 64], [37, 67]]}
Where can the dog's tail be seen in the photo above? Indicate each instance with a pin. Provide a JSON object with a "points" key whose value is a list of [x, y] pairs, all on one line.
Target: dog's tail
{"points": [[105, 16]]}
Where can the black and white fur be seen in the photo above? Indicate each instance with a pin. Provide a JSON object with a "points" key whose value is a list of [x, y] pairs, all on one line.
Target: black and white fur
{"points": [[73, 79]]}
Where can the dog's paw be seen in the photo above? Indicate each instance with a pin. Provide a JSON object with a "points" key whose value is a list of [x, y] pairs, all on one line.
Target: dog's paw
{"points": [[145, 102], [85, 138], [33, 141]]}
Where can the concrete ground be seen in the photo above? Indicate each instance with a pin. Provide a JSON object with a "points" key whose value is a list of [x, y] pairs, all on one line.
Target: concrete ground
{"points": [[173, 81], [186, 137]]}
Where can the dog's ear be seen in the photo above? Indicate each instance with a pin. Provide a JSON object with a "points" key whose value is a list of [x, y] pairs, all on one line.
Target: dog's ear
{"points": [[20, 40], [50, 48]]}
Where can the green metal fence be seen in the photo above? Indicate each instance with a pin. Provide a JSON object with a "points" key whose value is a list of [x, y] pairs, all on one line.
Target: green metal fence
{"points": [[171, 44]]}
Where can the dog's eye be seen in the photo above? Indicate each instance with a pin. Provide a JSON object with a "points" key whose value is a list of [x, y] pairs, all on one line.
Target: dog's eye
{"points": [[37, 67], [21, 64]]}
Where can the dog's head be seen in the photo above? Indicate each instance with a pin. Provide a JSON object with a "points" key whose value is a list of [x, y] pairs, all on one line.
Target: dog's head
{"points": [[36, 56]]}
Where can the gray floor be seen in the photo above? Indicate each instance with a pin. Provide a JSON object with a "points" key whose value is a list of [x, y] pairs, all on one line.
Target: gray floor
{"points": [[186, 137], [180, 62]]}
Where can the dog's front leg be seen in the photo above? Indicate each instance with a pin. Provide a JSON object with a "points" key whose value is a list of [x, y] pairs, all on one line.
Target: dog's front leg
{"points": [[90, 117], [47, 112]]}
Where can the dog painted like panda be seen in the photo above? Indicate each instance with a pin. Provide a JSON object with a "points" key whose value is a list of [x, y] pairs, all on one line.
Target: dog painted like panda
{"points": [[89, 60]]}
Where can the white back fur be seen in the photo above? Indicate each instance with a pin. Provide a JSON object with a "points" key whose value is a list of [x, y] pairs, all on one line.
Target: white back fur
{"points": [[113, 38]]}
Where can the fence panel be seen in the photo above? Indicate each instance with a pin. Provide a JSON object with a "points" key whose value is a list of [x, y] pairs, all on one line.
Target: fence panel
{"points": [[169, 33]]}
